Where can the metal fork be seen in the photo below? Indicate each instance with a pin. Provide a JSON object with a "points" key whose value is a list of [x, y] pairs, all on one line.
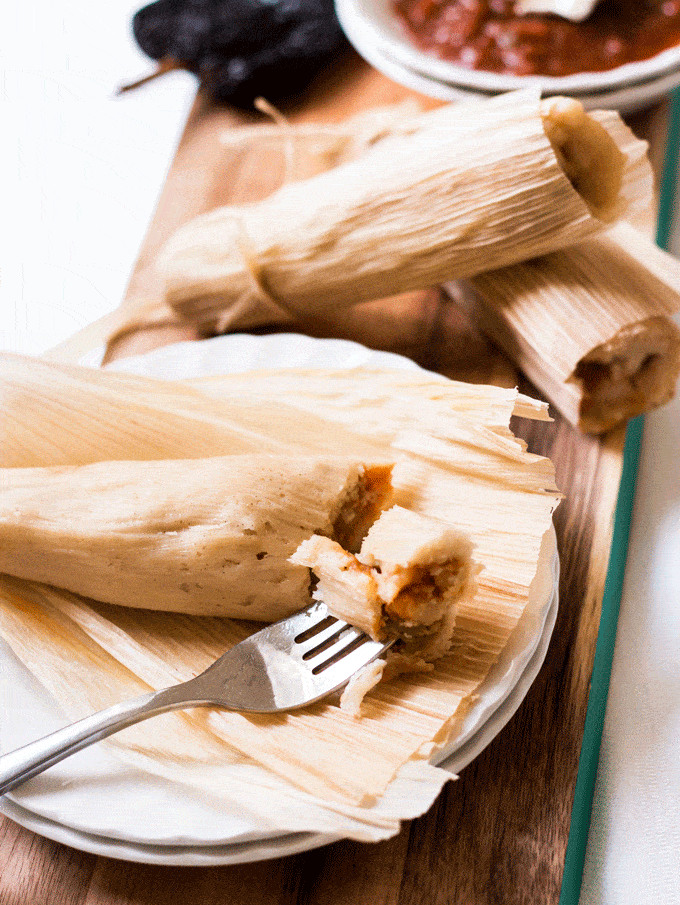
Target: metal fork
{"points": [[284, 666]]}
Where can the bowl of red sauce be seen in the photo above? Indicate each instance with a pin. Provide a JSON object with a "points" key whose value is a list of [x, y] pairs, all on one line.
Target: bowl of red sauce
{"points": [[625, 54]]}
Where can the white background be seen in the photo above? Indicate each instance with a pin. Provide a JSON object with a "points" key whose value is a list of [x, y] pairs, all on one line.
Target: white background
{"points": [[80, 174], [81, 168]]}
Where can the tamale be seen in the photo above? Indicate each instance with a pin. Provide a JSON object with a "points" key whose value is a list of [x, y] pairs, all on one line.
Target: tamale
{"points": [[210, 536], [590, 325], [405, 580], [604, 349], [473, 187]]}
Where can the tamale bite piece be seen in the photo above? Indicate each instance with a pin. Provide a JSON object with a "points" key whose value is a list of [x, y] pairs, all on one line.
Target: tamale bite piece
{"points": [[406, 579]]}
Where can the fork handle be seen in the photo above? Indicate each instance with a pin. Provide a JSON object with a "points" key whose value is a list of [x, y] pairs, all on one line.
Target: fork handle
{"points": [[20, 765]]}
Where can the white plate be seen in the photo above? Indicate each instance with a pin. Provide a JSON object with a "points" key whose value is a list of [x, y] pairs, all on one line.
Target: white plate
{"points": [[380, 37], [98, 804]]}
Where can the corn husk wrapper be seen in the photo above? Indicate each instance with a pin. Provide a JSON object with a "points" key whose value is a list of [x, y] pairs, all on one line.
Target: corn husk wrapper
{"points": [[590, 325], [82, 418], [306, 149], [581, 323], [183, 747], [63, 414], [472, 474], [292, 153], [208, 536], [472, 188], [352, 397]]}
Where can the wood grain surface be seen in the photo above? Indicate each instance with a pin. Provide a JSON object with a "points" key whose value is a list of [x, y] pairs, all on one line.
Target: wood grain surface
{"points": [[499, 833]]}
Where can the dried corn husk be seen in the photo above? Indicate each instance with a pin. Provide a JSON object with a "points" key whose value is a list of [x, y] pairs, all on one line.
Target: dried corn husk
{"points": [[474, 187], [291, 153], [182, 747], [61, 414], [384, 399], [605, 349], [210, 536], [590, 325], [629, 317], [470, 472]]}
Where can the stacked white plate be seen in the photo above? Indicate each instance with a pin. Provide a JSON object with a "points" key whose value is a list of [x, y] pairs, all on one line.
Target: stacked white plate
{"points": [[376, 32], [100, 804]]}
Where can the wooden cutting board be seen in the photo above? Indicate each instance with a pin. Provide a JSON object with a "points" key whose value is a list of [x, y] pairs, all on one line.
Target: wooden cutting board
{"points": [[499, 834]]}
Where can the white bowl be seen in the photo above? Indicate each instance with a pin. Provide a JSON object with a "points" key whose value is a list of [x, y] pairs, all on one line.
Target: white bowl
{"points": [[377, 33]]}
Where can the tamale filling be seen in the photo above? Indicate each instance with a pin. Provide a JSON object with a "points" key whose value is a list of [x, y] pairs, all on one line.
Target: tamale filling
{"points": [[625, 377], [405, 581], [425, 590], [362, 505], [588, 155]]}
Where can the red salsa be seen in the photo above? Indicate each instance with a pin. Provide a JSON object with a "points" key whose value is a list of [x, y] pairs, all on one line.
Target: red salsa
{"points": [[486, 34]]}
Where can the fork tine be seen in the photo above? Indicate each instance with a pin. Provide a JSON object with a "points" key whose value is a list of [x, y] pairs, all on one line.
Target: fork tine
{"points": [[341, 631], [334, 648], [313, 630], [306, 623], [270, 671], [337, 673]]}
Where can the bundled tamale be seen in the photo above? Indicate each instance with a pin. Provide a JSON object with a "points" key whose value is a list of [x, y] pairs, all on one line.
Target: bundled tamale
{"points": [[591, 325], [210, 536], [469, 188]]}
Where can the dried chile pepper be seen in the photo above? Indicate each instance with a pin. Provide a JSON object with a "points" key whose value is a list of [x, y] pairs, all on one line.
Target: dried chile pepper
{"points": [[242, 49]]}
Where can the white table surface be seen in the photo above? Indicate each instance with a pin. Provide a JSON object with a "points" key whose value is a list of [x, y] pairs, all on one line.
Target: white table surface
{"points": [[81, 170]]}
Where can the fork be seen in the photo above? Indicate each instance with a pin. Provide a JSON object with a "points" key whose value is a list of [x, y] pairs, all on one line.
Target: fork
{"points": [[284, 666]]}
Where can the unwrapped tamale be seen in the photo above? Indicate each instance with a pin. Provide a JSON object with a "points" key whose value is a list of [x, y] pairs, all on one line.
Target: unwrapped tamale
{"points": [[209, 536], [456, 460]]}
